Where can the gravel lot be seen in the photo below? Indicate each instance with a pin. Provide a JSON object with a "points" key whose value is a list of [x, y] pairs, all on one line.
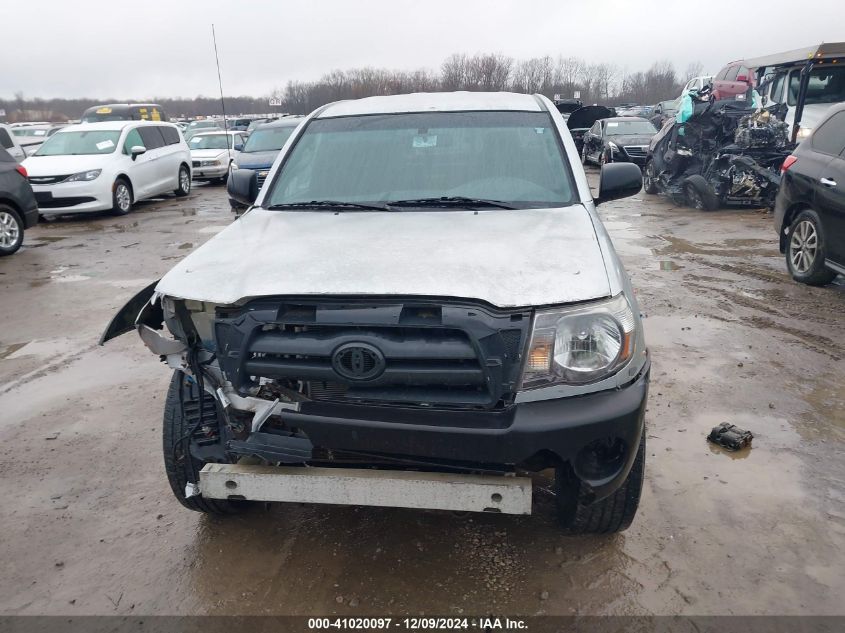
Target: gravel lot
{"points": [[90, 526]]}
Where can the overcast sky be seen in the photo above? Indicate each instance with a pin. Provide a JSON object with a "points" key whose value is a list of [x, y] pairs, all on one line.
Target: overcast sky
{"points": [[121, 49]]}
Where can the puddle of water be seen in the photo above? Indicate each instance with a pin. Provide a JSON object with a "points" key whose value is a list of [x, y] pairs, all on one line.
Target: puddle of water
{"points": [[669, 265], [212, 229], [36, 347]]}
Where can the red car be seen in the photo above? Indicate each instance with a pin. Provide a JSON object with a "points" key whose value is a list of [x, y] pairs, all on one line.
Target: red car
{"points": [[732, 82]]}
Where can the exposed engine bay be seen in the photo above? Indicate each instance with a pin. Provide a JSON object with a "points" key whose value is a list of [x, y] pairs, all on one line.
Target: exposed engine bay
{"points": [[724, 154]]}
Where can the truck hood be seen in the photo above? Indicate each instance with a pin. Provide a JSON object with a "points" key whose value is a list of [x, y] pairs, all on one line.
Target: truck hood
{"points": [[812, 114], [64, 165], [506, 258]]}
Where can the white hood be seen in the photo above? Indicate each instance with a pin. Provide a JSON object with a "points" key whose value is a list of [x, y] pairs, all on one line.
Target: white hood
{"points": [[206, 154], [812, 114], [64, 165], [507, 258]]}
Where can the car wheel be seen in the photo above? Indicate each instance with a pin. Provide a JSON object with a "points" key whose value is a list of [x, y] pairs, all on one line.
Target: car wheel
{"points": [[612, 514], [121, 197], [805, 250], [184, 187], [699, 195], [650, 178], [182, 416], [11, 230]]}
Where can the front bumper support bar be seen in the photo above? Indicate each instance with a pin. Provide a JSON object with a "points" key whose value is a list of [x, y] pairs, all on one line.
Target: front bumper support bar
{"points": [[385, 488]]}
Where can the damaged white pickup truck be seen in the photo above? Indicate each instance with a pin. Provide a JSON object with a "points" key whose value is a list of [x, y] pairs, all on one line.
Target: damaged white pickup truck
{"points": [[420, 308]]}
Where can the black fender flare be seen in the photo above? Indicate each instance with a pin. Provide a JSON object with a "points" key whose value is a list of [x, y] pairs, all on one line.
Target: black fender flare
{"points": [[138, 310]]}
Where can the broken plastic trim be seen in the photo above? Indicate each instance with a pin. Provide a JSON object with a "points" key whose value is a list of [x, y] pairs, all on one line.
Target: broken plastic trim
{"points": [[139, 309]]}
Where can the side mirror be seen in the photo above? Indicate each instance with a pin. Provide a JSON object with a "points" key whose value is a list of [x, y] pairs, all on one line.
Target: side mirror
{"points": [[239, 147], [136, 150], [619, 180], [243, 186]]}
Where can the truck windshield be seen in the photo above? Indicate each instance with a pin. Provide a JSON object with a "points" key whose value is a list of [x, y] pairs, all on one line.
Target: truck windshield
{"points": [[510, 157], [826, 85]]}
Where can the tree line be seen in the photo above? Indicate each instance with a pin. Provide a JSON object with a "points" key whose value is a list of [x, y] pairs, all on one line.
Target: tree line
{"points": [[595, 82], [564, 76]]}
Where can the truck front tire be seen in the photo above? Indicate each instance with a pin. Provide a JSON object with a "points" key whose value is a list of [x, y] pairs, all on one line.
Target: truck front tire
{"points": [[181, 412], [611, 514]]}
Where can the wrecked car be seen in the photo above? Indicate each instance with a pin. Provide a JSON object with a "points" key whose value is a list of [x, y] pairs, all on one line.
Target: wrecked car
{"points": [[420, 308], [725, 153], [583, 119]]}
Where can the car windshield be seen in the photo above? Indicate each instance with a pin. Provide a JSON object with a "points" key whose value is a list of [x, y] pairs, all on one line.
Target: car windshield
{"points": [[211, 141], [510, 157], [193, 125], [826, 85], [268, 139], [77, 143], [29, 131], [618, 128]]}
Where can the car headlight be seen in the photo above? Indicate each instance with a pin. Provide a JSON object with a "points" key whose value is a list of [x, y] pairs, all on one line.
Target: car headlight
{"points": [[614, 148], [580, 344], [804, 132], [84, 176], [210, 163]]}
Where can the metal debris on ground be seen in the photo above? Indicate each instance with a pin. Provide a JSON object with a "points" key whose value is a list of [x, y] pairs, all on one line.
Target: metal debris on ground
{"points": [[730, 436]]}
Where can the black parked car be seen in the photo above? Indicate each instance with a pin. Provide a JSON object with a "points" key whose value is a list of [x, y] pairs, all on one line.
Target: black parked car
{"points": [[618, 140], [18, 210], [810, 204], [582, 119]]}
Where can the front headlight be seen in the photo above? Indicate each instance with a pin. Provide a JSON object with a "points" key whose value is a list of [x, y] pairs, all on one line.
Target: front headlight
{"points": [[580, 344], [614, 148], [804, 132], [84, 176], [210, 163]]}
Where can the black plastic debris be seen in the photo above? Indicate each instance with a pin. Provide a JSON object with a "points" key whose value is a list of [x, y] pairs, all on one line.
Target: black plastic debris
{"points": [[730, 436]]}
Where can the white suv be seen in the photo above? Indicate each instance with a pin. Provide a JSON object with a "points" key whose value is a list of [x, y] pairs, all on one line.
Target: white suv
{"points": [[108, 166]]}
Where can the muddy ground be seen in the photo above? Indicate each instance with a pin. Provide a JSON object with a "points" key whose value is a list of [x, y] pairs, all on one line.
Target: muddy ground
{"points": [[89, 525]]}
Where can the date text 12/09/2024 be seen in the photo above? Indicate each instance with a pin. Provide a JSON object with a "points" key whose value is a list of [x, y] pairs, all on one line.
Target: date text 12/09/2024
{"points": [[418, 624]]}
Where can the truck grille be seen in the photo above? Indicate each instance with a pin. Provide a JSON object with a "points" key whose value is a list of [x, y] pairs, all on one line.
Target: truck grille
{"points": [[261, 176], [407, 353]]}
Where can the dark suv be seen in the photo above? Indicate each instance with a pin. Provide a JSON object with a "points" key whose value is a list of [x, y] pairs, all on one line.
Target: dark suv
{"points": [[18, 210], [810, 204]]}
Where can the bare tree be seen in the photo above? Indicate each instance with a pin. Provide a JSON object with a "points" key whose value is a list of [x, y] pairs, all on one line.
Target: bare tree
{"points": [[694, 69]]}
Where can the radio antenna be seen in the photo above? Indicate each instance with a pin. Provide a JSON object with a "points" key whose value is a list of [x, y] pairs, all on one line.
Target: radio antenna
{"points": [[219, 80]]}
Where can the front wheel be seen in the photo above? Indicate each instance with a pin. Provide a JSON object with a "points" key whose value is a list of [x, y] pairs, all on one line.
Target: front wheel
{"points": [[182, 417], [11, 230], [184, 182], [698, 194], [805, 251], [612, 514], [121, 198]]}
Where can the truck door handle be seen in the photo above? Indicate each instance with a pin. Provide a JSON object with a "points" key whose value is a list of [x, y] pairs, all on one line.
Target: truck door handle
{"points": [[828, 182]]}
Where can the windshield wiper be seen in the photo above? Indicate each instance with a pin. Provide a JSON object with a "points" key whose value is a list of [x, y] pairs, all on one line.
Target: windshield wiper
{"points": [[451, 201], [329, 204]]}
